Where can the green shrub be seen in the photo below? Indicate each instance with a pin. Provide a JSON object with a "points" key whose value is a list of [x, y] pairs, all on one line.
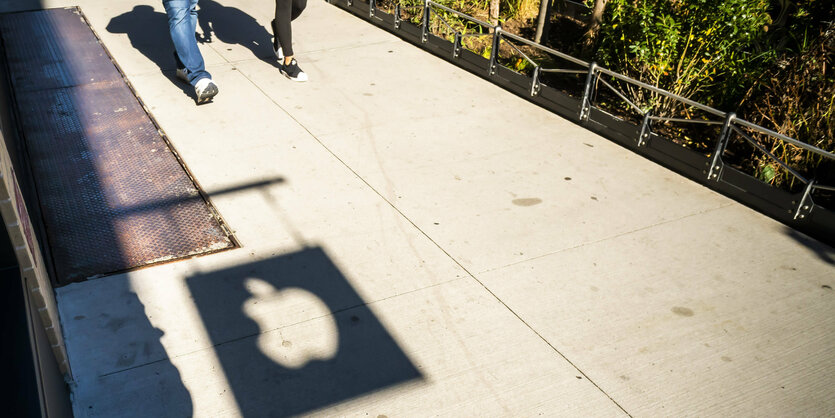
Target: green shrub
{"points": [[701, 49]]}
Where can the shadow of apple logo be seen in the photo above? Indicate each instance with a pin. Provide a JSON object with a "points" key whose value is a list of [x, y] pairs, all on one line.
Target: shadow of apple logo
{"points": [[293, 335], [291, 346]]}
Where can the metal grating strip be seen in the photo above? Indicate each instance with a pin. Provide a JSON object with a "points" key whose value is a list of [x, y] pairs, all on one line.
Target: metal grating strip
{"points": [[113, 195]]}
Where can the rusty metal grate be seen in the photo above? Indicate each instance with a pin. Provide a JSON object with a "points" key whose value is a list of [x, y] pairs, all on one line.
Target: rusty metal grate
{"points": [[112, 193]]}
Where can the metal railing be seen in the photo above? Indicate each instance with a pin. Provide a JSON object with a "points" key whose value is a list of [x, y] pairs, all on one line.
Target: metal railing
{"points": [[598, 78]]}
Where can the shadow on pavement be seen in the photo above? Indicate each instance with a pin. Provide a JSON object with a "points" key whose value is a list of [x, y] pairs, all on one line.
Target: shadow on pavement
{"points": [[823, 251], [155, 387], [231, 25], [293, 336], [147, 30]]}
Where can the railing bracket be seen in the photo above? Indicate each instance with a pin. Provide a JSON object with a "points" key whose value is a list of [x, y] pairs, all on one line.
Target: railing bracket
{"points": [[588, 91], [646, 129], [716, 163], [804, 208], [535, 84]]}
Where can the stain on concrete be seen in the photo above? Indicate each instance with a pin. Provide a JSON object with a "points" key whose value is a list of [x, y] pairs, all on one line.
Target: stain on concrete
{"points": [[678, 310], [286, 343], [527, 201], [727, 359], [116, 324], [126, 360]]}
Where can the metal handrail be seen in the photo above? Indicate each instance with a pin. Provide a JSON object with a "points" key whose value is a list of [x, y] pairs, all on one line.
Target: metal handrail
{"points": [[461, 14], [729, 121]]}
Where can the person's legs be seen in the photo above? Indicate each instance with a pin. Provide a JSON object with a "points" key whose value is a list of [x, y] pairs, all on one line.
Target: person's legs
{"points": [[281, 26], [298, 8], [285, 12], [182, 22]]}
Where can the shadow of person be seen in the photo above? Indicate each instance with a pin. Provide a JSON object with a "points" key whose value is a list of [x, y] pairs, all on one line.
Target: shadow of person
{"points": [[232, 26], [125, 362], [148, 33]]}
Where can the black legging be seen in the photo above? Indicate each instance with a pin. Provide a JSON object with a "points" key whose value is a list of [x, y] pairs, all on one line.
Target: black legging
{"points": [[285, 12]]}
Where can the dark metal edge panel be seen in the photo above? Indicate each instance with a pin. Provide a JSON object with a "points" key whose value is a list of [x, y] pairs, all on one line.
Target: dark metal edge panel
{"points": [[823, 221], [361, 8], [613, 128], [697, 162], [472, 62], [409, 32], [558, 102], [515, 82], [772, 200], [439, 46], [382, 18]]}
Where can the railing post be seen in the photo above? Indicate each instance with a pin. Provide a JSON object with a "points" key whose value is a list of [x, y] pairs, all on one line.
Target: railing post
{"points": [[535, 81], [397, 16], [646, 129], [716, 163], [456, 47], [372, 5], [585, 103], [426, 13], [805, 206], [494, 52]]}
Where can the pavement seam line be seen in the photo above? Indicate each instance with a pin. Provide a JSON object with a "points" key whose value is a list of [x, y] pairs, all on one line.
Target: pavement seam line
{"points": [[334, 313], [644, 228], [422, 232]]}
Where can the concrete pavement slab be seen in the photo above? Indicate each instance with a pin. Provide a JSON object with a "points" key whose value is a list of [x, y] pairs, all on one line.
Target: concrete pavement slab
{"points": [[553, 185], [376, 84], [704, 316], [451, 349]]}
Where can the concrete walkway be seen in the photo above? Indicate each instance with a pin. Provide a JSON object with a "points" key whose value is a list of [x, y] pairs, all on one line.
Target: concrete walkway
{"points": [[416, 241]]}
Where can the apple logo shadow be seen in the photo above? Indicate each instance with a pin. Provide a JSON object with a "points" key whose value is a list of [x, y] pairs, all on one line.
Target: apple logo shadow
{"points": [[293, 336]]}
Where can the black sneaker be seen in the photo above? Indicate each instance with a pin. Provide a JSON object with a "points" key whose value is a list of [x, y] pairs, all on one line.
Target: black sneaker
{"points": [[276, 45], [293, 72]]}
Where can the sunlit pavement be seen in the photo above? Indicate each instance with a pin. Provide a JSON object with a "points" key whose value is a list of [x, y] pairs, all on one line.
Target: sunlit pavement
{"points": [[417, 241]]}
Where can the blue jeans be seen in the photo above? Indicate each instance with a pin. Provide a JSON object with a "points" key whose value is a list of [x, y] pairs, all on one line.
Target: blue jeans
{"points": [[182, 21]]}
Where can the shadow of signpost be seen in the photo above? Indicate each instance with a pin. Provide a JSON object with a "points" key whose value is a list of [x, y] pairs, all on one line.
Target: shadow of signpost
{"points": [[293, 336]]}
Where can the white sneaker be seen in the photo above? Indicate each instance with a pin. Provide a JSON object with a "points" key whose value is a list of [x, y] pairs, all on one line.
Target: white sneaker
{"points": [[206, 89]]}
